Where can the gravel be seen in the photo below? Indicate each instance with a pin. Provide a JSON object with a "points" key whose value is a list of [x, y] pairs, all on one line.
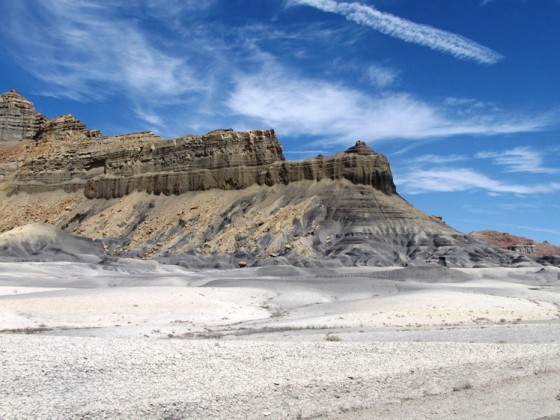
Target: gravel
{"points": [[79, 377]]}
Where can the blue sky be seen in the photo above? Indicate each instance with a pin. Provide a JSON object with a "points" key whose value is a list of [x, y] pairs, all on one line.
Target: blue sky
{"points": [[462, 96]]}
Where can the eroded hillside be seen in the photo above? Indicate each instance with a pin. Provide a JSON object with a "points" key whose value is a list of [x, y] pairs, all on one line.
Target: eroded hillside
{"points": [[219, 198]]}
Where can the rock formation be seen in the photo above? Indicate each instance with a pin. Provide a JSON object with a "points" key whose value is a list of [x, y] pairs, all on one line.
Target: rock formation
{"points": [[18, 119], [111, 167], [62, 128], [221, 198], [517, 243]]}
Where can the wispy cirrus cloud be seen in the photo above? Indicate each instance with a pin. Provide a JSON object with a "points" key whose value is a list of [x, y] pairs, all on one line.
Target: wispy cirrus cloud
{"points": [[85, 50], [91, 52], [420, 180], [340, 115], [381, 76], [519, 159], [434, 159], [440, 174], [406, 30], [196, 77], [318, 108]]}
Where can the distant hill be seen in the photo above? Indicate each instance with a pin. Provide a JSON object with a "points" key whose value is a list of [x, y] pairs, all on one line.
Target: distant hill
{"points": [[517, 243]]}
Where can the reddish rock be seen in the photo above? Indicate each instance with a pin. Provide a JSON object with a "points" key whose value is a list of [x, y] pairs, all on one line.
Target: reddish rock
{"points": [[517, 243]]}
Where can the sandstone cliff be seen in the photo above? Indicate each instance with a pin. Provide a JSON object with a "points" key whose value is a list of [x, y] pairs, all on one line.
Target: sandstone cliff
{"points": [[112, 167], [223, 197], [18, 118]]}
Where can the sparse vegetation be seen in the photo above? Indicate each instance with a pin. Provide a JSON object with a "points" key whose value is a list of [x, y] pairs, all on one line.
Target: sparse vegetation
{"points": [[333, 337], [28, 330], [461, 386], [203, 335], [277, 313]]}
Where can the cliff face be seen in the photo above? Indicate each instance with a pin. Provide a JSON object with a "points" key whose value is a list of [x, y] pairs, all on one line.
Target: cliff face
{"points": [[18, 118], [252, 158], [222, 197], [111, 167]]}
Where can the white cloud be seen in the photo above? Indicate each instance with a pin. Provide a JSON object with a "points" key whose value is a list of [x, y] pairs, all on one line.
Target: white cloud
{"points": [[463, 179], [408, 31], [519, 159], [150, 118], [171, 8], [299, 106], [84, 50], [435, 159], [468, 103], [177, 79], [381, 76]]}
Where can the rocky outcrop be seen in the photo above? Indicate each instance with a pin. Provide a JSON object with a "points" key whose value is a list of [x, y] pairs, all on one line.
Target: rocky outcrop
{"points": [[65, 127], [506, 240], [518, 244], [18, 118], [112, 167], [259, 162], [224, 197]]}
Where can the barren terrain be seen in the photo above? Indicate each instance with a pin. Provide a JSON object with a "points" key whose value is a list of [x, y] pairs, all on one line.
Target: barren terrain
{"points": [[132, 338]]}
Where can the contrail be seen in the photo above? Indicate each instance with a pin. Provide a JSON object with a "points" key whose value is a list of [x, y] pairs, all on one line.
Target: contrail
{"points": [[408, 31]]}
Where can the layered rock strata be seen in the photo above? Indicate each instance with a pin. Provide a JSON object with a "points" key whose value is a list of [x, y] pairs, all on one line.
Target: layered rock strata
{"points": [[111, 167], [65, 127], [517, 243], [18, 118], [222, 198]]}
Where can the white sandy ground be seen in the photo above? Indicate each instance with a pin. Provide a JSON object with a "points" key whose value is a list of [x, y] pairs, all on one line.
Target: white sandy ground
{"points": [[92, 377], [145, 299], [138, 339]]}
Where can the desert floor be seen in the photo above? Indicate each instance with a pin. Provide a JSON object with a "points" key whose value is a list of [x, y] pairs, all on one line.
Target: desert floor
{"points": [[137, 339]]}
